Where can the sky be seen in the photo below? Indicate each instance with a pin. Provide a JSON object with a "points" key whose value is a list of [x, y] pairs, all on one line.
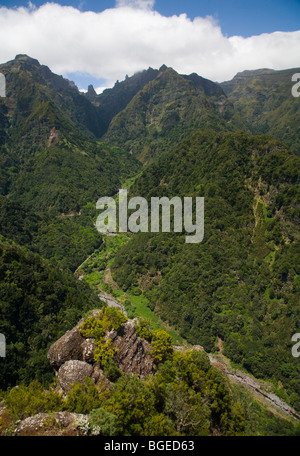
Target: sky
{"points": [[99, 42]]}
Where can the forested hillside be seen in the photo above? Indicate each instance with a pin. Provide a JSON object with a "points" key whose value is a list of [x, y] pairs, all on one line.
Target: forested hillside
{"points": [[241, 284], [236, 293], [263, 98], [39, 301], [167, 110]]}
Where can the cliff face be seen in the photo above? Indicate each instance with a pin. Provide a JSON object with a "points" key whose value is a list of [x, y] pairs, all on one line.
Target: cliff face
{"points": [[72, 356]]}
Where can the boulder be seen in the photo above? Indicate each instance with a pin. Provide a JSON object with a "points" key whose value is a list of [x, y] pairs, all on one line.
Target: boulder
{"points": [[72, 345], [133, 352], [68, 347], [73, 371]]}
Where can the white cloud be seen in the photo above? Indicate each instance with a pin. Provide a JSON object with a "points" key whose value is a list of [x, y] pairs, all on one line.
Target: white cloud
{"points": [[139, 4], [132, 37]]}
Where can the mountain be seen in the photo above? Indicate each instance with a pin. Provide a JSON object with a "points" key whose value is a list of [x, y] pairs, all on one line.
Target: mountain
{"points": [[166, 110], [50, 156], [111, 101], [263, 98]]}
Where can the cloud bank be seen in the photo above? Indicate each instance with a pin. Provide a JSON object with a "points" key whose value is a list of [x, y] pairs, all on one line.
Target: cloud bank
{"points": [[132, 36]]}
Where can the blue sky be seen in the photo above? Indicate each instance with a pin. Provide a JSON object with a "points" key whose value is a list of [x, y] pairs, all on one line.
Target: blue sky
{"points": [[215, 39]]}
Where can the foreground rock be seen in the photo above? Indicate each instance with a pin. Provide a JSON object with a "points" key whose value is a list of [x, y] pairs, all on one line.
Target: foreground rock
{"points": [[72, 346], [72, 356], [54, 424], [133, 352]]}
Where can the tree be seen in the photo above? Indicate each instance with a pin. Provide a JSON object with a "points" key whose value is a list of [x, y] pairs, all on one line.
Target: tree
{"points": [[162, 346]]}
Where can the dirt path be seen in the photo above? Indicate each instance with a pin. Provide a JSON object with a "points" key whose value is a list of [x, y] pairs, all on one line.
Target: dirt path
{"points": [[111, 302]]}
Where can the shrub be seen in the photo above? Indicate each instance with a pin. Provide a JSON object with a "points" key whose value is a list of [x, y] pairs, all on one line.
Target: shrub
{"points": [[23, 401], [162, 347], [82, 398], [106, 421]]}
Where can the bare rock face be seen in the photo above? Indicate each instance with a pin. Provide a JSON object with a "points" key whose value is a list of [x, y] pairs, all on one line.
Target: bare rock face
{"points": [[133, 352], [73, 371], [99, 377], [68, 347], [57, 424], [53, 137], [72, 345]]}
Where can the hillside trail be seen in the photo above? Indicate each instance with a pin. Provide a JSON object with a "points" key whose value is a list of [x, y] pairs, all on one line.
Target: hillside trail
{"points": [[257, 387]]}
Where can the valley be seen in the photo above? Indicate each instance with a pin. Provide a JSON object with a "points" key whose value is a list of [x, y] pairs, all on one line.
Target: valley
{"points": [[235, 294]]}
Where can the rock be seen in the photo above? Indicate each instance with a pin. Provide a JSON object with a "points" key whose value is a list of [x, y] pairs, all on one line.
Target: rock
{"points": [[72, 356], [88, 348], [198, 348], [72, 345], [73, 371], [54, 424], [68, 347], [53, 136], [133, 352], [99, 377]]}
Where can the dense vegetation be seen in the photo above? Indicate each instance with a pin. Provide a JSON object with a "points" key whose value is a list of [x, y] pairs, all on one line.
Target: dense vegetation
{"points": [[167, 110], [241, 284], [64, 240], [185, 397], [238, 289], [50, 157], [263, 99], [39, 302]]}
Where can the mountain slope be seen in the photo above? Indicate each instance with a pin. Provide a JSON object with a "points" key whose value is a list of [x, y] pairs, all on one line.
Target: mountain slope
{"points": [[39, 302], [264, 100], [167, 109], [241, 284], [49, 155], [111, 101]]}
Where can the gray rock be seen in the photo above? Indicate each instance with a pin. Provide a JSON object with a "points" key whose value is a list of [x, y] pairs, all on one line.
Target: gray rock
{"points": [[55, 424], [133, 352], [72, 345], [73, 371]]}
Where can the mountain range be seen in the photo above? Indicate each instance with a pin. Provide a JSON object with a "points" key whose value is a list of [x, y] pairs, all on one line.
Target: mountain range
{"points": [[157, 133]]}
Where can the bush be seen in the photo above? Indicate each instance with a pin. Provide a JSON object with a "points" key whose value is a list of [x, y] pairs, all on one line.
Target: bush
{"points": [[105, 420], [162, 347], [23, 401], [82, 398], [111, 371]]}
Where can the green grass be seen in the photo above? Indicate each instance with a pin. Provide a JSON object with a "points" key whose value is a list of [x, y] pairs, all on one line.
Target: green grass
{"points": [[93, 270]]}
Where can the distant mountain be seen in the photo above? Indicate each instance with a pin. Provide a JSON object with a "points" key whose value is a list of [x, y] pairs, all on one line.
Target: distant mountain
{"points": [[263, 99], [112, 101], [49, 153], [166, 110]]}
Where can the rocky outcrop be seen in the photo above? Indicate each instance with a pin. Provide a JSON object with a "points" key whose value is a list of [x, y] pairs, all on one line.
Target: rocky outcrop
{"points": [[72, 345], [72, 356], [73, 371], [53, 137], [55, 424], [132, 352]]}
